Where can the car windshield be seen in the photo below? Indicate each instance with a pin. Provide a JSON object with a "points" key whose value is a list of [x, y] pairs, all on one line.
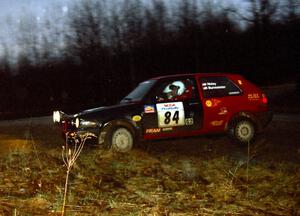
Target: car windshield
{"points": [[139, 92]]}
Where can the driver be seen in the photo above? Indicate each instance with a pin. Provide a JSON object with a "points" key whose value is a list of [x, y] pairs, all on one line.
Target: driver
{"points": [[174, 91]]}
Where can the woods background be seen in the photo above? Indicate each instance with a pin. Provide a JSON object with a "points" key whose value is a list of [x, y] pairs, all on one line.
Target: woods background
{"points": [[95, 52]]}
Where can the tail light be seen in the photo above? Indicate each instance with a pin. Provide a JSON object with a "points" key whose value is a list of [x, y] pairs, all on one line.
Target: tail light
{"points": [[264, 99]]}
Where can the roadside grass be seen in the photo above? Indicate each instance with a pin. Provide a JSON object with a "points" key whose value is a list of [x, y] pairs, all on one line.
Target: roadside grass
{"points": [[189, 177], [138, 183]]}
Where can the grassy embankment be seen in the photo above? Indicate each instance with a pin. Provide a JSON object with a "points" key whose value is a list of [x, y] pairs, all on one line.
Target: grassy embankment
{"points": [[202, 179]]}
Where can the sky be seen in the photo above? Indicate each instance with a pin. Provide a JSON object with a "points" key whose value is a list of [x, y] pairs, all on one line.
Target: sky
{"points": [[12, 11], [17, 7]]}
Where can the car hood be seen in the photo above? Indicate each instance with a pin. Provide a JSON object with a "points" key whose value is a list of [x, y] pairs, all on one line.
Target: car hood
{"points": [[107, 111], [93, 110]]}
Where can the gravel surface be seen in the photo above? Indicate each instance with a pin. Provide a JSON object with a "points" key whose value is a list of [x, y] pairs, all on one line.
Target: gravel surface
{"points": [[45, 120]]}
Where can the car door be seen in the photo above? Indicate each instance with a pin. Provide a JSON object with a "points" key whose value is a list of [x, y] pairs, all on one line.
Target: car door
{"points": [[172, 108], [220, 97]]}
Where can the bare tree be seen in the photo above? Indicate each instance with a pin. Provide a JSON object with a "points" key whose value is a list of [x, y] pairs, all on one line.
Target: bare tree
{"points": [[5, 68], [132, 19], [5, 87], [291, 10], [188, 14], [157, 22], [116, 28], [85, 36], [87, 45], [52, 32], [28, 38], [262, 13]]}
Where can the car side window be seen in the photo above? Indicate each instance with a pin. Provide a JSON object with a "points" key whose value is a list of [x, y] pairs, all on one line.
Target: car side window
{"points": [[219, 87], [175, 90]]}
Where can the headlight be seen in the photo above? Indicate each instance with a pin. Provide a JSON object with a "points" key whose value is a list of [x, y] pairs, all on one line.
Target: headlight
{"points": [[56, 116], [59, 117], [77, 122], [80, 123]]}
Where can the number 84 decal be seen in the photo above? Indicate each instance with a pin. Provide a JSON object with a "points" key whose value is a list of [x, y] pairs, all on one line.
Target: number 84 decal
{"points": [[170, 114]]}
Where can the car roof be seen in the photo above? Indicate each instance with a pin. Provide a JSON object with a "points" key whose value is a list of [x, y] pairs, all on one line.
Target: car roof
{"points": [[195, 75]]}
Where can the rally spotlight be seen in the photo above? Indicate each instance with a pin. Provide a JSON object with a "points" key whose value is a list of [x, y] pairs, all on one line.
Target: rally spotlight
{"points": [[57, 116]]}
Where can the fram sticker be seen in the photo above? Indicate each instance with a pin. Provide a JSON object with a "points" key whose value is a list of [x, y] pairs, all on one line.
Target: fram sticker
{"points": [[149, 109], [153, 130]]}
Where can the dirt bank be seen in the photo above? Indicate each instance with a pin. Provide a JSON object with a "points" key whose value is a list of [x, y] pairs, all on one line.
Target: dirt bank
{"points": [[196, 176]]}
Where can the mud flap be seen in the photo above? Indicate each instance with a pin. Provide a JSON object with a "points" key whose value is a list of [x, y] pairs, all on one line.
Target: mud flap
{"points": [[102, 136]]}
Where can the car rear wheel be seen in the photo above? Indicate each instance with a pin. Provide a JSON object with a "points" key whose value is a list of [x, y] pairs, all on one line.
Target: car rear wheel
{"points": [[244, 131], [121, 139]]}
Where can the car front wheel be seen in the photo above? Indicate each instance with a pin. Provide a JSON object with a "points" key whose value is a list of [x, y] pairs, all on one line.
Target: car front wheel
{"points": [[121, 140], [244, 131]]}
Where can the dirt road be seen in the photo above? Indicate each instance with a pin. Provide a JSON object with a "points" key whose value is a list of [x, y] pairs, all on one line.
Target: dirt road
{"points": [[280, 140]]}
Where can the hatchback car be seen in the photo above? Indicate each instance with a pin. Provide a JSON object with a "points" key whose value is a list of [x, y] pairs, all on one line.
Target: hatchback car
{"points": [[176, 106]]}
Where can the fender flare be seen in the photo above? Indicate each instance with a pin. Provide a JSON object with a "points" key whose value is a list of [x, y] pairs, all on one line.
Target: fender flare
{"points": [[243, 115], [108, 126]]}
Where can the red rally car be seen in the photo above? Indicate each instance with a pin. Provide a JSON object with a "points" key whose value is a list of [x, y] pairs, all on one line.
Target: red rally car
{"points": [[176, 106]]}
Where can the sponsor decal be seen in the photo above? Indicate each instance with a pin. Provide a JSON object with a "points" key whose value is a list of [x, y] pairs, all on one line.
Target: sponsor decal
{"points": [[216, 123], [136, 118], [149, 109], [212, 103], [189, 121], [167, 129], [234, 93], [253, 97], [212, 86], [170, 114], [240, 82], [208, 103], [169, 106], [215, 102], [153, 130], [223, 111]]}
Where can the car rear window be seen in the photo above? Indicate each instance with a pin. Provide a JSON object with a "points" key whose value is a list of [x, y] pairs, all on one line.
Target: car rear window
{"points": [[219, 87]]}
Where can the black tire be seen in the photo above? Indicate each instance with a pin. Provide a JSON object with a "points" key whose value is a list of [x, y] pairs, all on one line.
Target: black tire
{"points": [[120, 139], [243, 131]]}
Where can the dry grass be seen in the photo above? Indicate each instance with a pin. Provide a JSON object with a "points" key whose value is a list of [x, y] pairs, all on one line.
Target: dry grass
{"points": [[139, 184], [167, 178]]}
